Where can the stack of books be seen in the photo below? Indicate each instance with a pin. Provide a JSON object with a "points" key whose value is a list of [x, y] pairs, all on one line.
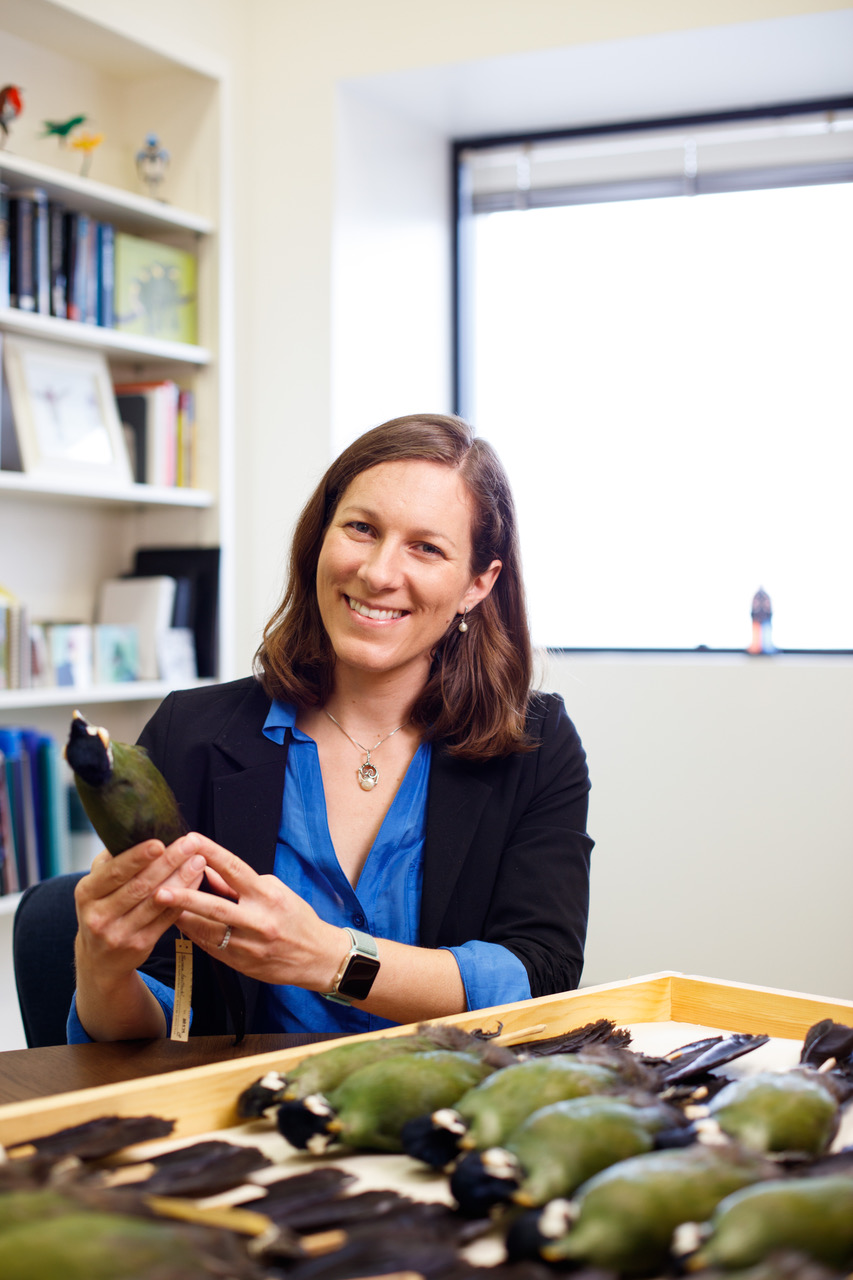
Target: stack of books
{"points": [[158, 419]]}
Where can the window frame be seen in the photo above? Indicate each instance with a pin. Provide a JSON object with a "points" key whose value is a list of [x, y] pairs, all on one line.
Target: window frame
{"points": [[460, 292]]}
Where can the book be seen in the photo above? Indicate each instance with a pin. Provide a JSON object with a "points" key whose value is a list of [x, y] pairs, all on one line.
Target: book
{"points": [[199, 568], [149, 411], [10, 453], [72, 288], [106, 274], [155, 289], [56, 258], [16, 662], [22, 278], [81, 265], [4, 245], [87, 249], [41, 250], [9, 881], [70, 648], [116, 653], [52, 787], [186, 442], [19, 784], [145, 603]]}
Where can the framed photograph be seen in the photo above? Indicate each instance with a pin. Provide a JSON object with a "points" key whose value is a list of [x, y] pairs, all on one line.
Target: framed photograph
{"points": [[65, 411]]}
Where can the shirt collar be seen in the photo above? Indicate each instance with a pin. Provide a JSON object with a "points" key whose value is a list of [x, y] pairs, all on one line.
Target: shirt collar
{"points": [[281, 717]]}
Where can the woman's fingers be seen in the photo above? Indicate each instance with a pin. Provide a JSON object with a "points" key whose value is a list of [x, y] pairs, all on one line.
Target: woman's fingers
{"points": [[237, 877]]}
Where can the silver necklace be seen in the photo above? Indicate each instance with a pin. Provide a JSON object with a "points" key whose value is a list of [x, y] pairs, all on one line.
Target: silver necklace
{"points": [[367, 773]]}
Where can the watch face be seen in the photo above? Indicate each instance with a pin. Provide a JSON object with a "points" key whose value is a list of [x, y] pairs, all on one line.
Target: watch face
{"points": [[358, 978]]}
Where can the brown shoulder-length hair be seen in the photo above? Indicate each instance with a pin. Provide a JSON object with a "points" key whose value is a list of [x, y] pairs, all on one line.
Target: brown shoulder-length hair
{"points": [[475, 698]]}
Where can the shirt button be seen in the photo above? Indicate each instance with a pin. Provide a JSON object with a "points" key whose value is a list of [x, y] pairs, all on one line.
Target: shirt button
{"points": [[358, 920]]}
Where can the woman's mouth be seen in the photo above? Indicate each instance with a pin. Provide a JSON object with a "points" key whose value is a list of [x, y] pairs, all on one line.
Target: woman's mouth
{"points": [[378, 615]]}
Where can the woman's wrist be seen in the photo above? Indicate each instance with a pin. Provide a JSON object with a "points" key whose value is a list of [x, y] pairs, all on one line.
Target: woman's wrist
{"points": [[335, 951]]}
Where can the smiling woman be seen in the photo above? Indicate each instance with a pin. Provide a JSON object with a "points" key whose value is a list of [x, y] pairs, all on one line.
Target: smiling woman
{"points": [[390, 823]]}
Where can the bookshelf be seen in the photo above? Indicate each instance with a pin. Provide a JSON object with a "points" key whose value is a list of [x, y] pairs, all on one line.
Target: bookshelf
{"points": [[60, 539]]}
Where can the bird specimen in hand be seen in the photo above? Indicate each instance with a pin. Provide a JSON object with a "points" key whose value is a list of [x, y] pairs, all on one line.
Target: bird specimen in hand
{"points": [[125, 795]]}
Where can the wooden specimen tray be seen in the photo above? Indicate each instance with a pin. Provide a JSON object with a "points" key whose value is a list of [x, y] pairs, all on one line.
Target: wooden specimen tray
{"points": [[203, 1099]]}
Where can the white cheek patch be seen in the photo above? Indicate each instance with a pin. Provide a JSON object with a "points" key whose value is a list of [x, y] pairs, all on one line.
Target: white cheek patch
{"points": [[556, 1218]]}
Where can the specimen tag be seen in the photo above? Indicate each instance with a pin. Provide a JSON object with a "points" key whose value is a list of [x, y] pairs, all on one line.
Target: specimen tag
{"points": [[183, 989]]}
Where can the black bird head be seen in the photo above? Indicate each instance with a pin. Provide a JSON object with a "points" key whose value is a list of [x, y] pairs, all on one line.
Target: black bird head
{"points": [[483, 1179], [89, 751], [434, 1138], [530, 1234], [259, 1097], [308, 1123]]}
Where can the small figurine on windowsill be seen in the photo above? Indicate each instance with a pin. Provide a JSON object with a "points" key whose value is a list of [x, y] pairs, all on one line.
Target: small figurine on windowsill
{"points": [[152, 161], [762, 619], [11, 106]]}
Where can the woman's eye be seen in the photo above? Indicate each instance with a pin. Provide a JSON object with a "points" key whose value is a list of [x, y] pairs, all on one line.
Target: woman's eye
{"points": [[359, 526], [430, 549]]}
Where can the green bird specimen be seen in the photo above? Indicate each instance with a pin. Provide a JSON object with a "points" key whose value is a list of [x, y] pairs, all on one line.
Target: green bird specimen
{"points": [[125, 795], [784, 1111], [623, 1218], [371, 1106], [813, 1216]]}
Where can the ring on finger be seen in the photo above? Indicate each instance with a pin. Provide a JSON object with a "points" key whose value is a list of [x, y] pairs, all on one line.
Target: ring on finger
{"points": [[224, 943]]}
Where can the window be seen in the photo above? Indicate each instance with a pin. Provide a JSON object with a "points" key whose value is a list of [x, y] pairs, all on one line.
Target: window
{"points": [[655, 331]]}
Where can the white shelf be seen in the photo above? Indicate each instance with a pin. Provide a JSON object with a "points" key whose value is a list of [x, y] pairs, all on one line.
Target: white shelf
{"points": [[94, 336], [9, 903], [77, 696], [105, 202], [20, 484]]}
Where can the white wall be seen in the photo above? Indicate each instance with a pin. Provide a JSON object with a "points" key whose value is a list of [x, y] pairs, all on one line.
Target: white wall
{"points": [[722, 810]]}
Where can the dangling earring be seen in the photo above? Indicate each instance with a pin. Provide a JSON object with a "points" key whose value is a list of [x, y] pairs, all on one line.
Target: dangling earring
{"points": [[463, 625]]}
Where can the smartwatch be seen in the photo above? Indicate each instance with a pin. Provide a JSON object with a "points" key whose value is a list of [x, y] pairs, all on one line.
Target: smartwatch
{"points": [[357, 972]]}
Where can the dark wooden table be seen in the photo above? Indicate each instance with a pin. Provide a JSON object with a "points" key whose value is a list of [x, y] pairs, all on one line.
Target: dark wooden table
{"points": [[39, 1073]]}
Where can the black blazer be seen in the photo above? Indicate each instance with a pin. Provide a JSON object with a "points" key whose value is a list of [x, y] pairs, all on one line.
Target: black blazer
{"points": [[506, 857]]}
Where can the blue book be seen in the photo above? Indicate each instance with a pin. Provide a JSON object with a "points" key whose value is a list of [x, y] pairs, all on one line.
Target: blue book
{"points": [[21, 804], [106, 274], [9, 882], [52, 788]]}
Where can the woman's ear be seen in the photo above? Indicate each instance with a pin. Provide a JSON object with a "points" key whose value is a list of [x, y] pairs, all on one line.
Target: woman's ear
{"points": [[481, 585]]}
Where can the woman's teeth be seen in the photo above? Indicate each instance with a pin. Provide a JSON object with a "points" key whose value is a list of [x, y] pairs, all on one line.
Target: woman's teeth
{"points": [[381, 615]]}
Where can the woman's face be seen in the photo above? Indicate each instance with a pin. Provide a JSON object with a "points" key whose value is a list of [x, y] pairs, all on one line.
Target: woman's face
{"points": [[395, 567]]}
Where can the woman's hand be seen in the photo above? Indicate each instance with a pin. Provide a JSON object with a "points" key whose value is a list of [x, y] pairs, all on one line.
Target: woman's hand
{"points": [[119, 919], [275, 936], [119, 922]]}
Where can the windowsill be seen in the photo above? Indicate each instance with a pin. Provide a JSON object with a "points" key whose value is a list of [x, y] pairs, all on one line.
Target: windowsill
{"points": [[702, 657]]}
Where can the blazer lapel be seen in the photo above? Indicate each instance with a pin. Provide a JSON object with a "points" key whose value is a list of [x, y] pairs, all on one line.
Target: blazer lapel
{"points": [[457, 798], [248, 784]]}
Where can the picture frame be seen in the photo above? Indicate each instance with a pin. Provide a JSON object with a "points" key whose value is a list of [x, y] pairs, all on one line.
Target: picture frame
{"points": [[65, 413]]}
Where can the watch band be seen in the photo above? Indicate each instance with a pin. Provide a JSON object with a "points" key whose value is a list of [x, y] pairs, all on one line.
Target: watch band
{"points": [[358, 968]]}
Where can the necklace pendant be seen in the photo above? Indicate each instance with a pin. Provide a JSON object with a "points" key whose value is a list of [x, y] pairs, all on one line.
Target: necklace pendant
{"points": [[368, 776]]}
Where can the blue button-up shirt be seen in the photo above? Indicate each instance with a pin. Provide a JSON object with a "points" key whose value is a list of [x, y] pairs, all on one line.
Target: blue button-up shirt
{"points": [[385, 903]]}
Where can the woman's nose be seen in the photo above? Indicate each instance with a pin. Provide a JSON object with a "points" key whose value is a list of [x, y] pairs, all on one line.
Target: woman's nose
{"points": [[381, 568]]}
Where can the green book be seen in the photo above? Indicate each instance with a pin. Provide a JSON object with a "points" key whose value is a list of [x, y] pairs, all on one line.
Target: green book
{"points": [[155, 290]]}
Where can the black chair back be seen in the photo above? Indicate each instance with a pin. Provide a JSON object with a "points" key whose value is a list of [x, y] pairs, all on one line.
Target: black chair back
{"points": [[43, 934]]}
